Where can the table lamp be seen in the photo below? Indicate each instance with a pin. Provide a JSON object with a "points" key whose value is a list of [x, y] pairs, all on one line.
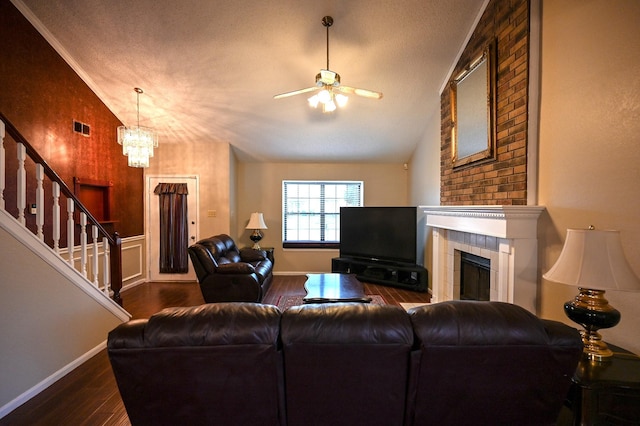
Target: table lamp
{"points": [[593, 261], [256, 222]]}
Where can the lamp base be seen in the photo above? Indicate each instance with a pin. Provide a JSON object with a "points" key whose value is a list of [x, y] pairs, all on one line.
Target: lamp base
{"points": [[256, 236], [592, 311]]}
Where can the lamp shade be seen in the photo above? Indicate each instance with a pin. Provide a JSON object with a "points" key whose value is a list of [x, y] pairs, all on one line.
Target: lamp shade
{"points": [[593, 259], [256, 221]]}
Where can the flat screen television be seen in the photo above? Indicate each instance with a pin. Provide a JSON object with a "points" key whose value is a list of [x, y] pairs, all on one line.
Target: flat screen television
{"points": [[386, 234]]}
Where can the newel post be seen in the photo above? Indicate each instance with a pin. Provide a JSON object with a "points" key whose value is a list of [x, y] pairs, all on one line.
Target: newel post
{"points": [[116, 267]]}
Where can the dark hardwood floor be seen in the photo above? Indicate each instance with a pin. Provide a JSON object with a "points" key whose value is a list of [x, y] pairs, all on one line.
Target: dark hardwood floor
{"points": [[89, 395]]}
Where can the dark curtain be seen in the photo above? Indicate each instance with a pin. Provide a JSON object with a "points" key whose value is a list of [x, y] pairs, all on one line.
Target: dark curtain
{"points": [[174, 229]]}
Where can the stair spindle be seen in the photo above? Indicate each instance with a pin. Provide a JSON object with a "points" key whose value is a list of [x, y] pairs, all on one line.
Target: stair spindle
{"points": [[70, 230], [40, 201], [94, 264], [83, 244], [56, 216], [21, 183]]}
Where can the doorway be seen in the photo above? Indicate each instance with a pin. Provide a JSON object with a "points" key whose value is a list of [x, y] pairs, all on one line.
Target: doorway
{"points": [[154, 232]]}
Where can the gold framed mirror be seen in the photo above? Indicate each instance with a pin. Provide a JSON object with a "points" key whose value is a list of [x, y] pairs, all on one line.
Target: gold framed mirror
{"points": [[473, 106]]}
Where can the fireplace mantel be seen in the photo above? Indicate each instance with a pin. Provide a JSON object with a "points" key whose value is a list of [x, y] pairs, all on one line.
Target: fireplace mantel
{"points": [[495, 221], [507, 235]]}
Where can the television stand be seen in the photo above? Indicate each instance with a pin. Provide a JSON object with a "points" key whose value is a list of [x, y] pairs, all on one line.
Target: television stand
{"points": [[405, 275]]}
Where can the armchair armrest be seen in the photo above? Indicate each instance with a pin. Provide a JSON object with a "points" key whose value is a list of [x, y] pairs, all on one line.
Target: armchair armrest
{"points": [[235, 268], [248, 254]]}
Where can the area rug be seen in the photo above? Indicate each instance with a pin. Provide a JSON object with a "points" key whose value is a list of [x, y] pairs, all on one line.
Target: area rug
{"points": [[285, 302]]}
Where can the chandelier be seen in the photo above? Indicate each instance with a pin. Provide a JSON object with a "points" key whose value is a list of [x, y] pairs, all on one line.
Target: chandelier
{"points": [[137, 142]]}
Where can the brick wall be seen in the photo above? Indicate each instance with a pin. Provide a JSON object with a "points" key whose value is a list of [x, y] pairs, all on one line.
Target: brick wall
{"points": [[502, 181]]}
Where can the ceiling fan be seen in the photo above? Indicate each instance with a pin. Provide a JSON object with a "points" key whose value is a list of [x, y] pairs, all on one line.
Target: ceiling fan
{"points": [[330, 93]]}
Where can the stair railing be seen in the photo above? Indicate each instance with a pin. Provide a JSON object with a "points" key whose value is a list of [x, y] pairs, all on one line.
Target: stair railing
{"points": [[111, 280]]}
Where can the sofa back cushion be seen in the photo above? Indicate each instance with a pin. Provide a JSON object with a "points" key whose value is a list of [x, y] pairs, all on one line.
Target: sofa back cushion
{"points": [[346, 363], [491, 363], [211, 364], [207, 254]]}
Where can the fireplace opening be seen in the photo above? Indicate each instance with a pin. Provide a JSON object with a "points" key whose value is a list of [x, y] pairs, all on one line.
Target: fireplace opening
{"points": [[475, 280]]}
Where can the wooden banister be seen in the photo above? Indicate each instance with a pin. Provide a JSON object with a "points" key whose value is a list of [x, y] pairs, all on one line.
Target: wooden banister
{"points": [[114, 241]]}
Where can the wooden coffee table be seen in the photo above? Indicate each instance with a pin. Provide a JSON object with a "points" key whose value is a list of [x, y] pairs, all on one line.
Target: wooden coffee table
{"points": [[328, 288]]}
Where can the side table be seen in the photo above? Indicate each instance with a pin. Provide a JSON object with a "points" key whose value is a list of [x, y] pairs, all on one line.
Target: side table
{"points": [[605, 393]]}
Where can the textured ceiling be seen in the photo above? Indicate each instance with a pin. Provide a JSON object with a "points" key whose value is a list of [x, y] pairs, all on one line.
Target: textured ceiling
{"points": [[210, 69]]}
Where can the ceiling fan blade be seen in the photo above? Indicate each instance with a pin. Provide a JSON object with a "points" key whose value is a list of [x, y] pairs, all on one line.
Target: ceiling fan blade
{"points": [[360, 92], [296, 92]]}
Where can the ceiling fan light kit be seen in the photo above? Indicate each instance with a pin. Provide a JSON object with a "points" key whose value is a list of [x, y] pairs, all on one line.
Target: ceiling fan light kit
{"points": [[330, 93]]}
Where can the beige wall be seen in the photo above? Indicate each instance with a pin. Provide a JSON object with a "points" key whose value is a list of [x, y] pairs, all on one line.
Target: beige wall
{"points": [[589, 147], [424, 176], [424, 167], [212, 162], [590, 140], [233, 192], [259, 188], [46, 322]]}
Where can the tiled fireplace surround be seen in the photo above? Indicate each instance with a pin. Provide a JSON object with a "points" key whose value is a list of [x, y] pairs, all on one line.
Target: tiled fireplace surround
{"points": [[507, 235]]}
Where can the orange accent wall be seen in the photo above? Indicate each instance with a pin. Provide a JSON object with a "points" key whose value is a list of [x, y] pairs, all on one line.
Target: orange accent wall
{"points": [[42, 96]]}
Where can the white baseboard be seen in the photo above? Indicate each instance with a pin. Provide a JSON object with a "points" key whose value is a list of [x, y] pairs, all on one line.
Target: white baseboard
{"points": [[44, 384]]}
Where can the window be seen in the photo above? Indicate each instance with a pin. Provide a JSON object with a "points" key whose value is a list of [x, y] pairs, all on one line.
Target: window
{"points": [[311, 211]]}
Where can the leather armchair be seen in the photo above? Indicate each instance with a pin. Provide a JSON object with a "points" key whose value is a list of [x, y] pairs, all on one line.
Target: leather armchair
{"points": [[228, 274]]}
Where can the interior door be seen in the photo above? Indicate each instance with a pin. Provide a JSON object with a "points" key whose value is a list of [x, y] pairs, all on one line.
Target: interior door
{"points": [[153, 225]]}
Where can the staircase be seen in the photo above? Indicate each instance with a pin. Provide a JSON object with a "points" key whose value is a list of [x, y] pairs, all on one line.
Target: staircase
{"points": [[92, 251], [61, 275]]}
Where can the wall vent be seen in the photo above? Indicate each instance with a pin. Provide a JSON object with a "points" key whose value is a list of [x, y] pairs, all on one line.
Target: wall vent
{"points": [[82, 128]]}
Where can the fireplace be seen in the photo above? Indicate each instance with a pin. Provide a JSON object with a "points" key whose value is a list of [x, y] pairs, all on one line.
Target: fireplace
{"points": [[474, 277], [505, 235]]}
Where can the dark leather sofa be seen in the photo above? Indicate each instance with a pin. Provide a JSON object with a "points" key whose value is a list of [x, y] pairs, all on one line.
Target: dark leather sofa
{"points": [[452, 363], [229, 274]]}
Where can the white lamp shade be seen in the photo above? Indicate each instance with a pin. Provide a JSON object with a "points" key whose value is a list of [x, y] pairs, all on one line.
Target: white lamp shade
{"points": [[593, 259], [256, 221]]}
